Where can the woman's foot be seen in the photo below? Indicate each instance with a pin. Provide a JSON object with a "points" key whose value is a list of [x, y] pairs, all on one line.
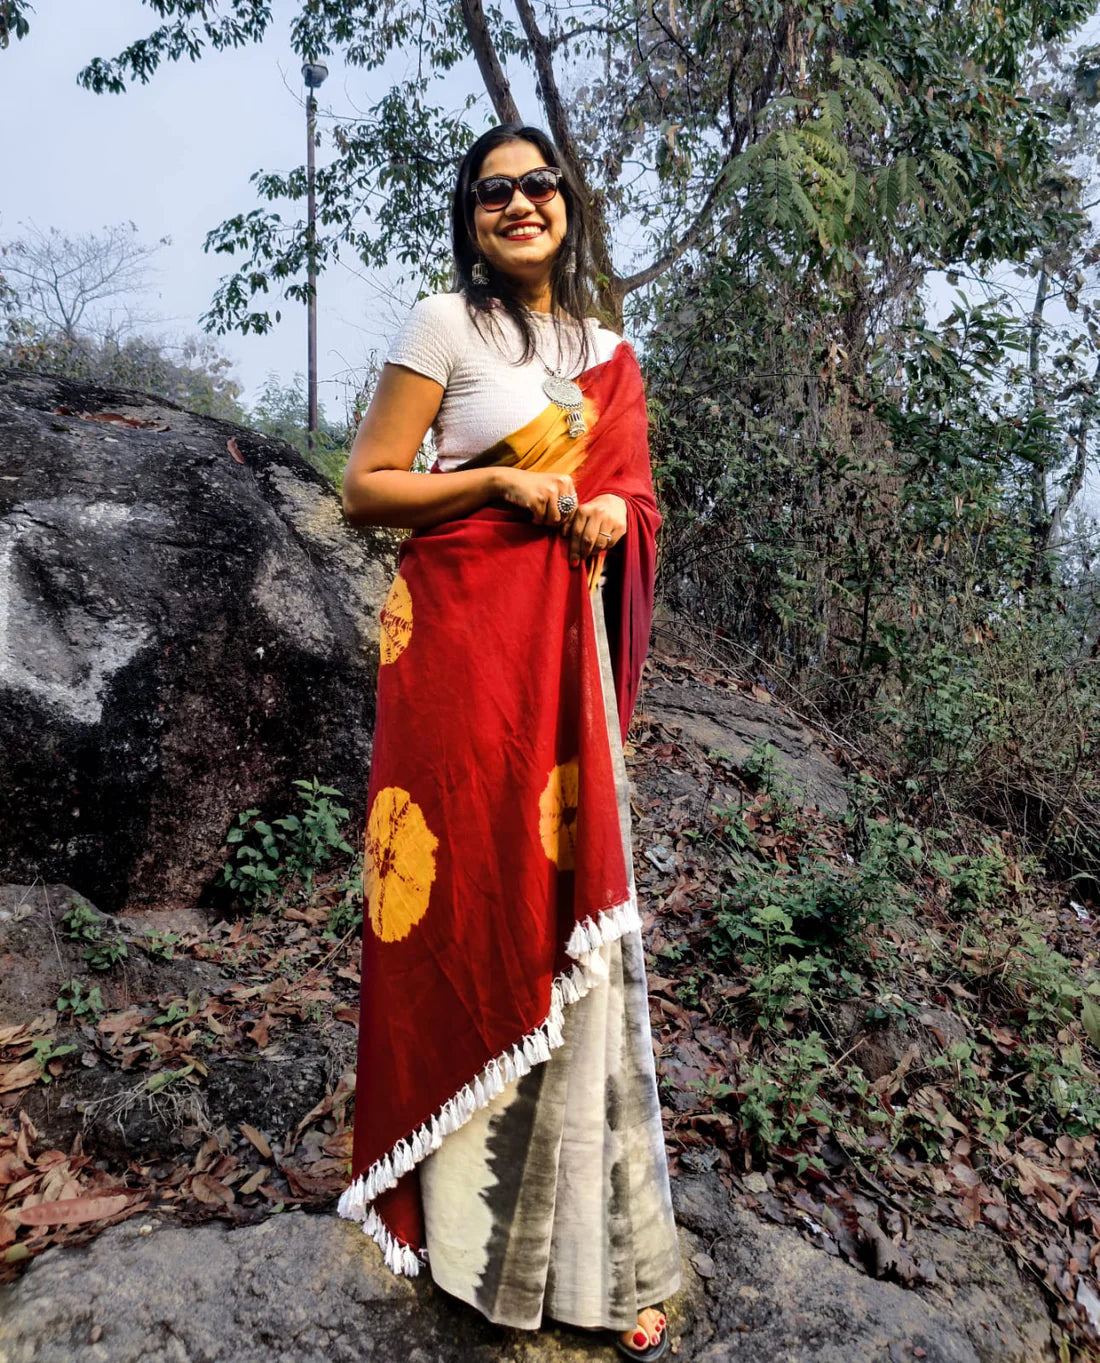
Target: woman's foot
{"points": [[647, 1334]]}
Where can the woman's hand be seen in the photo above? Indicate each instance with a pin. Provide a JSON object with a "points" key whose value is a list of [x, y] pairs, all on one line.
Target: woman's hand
{"points": [[595, 525], [536, 492]]}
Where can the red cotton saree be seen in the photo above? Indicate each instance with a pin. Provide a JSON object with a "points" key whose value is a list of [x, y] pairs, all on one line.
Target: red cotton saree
{"points": [[494, 865]]}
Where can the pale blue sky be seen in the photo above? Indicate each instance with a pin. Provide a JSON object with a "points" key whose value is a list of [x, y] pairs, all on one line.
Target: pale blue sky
{"points": [[175, 156]]}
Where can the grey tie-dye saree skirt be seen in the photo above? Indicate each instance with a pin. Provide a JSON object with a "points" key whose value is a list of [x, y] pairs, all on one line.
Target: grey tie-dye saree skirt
{"points": [[555, 1197]]}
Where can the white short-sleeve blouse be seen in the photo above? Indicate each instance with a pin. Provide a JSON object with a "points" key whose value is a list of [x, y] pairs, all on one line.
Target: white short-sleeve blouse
{"points": [[487, 395]]}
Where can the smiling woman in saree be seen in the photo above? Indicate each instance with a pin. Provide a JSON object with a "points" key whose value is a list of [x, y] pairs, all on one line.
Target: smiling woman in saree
{"points": [[507, 1128]]}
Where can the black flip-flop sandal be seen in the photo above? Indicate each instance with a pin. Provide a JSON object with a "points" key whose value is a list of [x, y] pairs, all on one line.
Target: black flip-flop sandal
{"points": [[646, 1355]]}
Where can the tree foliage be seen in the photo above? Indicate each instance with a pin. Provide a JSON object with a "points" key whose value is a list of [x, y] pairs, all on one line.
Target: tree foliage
{"points": [[13, 20], [837, 130], [282, 410], [192, 372]]}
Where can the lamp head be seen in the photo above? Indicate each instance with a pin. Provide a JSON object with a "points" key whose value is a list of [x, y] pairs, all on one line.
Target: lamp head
{"points": [[314, 73]]}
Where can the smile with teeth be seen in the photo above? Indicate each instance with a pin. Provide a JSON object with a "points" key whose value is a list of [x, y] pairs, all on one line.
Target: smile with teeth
{"points": [[522, 232]]}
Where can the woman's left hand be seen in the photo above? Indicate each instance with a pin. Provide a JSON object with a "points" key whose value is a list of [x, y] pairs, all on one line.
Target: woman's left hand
{"points": [[594, 526]]}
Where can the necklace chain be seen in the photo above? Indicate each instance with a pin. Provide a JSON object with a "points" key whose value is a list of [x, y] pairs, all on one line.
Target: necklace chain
{"points": [[563, 392]]}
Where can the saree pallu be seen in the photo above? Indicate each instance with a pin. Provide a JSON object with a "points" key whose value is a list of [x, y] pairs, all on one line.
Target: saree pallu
{"points": [[494, 866]]}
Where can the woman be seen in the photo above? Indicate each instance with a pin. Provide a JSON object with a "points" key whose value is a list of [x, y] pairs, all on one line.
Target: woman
{"points": [[507, 1128]]}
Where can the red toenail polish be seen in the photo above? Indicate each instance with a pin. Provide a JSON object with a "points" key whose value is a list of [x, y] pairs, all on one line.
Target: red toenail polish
{"points": [[639, 1338]]}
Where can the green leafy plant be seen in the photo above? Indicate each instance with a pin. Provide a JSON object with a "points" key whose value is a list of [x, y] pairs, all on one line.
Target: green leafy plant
{"points": [[976, 881], [347, 913], [44, 1051], [83, 923], [779, 1100], [73, 999], [161, 945], [104, 955], [797, 926], [267, 856], [310, 841], [765, 767], [252, 870]]}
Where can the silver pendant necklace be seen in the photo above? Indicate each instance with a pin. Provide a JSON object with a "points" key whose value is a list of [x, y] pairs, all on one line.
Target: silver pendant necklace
{"points": [[566, 394]]}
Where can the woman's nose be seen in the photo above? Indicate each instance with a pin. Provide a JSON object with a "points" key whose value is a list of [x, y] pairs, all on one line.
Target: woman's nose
{"points": [[525, 204]]}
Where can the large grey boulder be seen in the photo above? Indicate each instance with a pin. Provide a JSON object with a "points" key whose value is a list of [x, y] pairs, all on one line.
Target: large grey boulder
{"points": [[187, 625]]}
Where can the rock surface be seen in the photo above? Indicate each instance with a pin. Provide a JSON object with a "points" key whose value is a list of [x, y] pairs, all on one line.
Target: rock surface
{"points": [[303, 1288], [771, 1294], [37, 958], [734, 723], [187, 625]]}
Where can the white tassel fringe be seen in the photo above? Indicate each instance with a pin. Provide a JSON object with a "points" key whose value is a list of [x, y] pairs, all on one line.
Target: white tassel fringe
{"points": [[533, 1049]]}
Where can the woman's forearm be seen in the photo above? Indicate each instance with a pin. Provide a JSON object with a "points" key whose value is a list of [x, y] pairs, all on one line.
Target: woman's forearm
{"points": [[413, 500]]}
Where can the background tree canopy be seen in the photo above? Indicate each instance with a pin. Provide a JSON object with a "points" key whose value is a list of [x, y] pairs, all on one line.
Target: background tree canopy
{"points": [[828, 129]]}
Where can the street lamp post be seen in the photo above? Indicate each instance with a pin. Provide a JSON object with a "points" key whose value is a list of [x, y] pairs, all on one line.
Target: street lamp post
{"points": [[313, 73]]}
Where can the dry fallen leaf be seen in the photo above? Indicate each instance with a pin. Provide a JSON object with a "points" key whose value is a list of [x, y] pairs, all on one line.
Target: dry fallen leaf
{"points": [[19, 1076], [74, 1210], [117, 419], [258, 1139], [211, 1190]]}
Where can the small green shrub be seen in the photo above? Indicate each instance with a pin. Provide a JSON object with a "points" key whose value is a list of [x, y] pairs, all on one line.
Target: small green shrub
{"points": [[976, 881], [81, 923], [778, 1100], [800, 925], [73, 999], [267, 856]]}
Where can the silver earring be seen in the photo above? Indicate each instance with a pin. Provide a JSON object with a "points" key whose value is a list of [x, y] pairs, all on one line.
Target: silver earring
{"points": [[479, 274], [570, 266]]}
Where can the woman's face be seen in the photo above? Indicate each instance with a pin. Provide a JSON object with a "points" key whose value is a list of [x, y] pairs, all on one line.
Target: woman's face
{"points": [[521, 240]]}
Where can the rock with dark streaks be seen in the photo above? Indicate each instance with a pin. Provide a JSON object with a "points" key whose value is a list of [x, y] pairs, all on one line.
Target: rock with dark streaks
{"points": [[187, 625]]}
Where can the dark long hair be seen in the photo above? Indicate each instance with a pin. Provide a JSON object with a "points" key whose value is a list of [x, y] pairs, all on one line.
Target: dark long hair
{"points": [[571, 292]]}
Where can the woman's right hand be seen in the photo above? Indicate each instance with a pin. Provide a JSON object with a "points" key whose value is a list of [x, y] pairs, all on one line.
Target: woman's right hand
{"points": [[536, 492]]}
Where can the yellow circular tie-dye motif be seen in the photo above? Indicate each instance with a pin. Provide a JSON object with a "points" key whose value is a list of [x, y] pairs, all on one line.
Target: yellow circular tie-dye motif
{"points": [[400, 864], [397, 621], [558, 814]]}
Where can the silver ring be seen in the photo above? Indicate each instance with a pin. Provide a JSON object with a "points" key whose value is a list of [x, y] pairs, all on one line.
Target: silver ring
{"points": [[566, 503], [605, 534]]}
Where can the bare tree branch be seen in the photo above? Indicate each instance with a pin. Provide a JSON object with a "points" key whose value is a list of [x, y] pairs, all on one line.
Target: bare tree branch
{"points": [[492, 73], [743, 125], [60, 281], [1076, 479], [570, 35]]}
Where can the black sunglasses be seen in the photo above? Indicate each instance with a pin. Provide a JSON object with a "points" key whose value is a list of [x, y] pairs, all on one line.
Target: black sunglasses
{"points": [[495, 192]]}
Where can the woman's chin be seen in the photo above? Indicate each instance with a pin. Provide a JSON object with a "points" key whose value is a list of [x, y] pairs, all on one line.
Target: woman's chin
{"points": [[530, 256]]}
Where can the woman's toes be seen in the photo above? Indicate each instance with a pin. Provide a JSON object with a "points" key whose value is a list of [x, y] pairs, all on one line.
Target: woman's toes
{"points": [[652, 1322]]}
